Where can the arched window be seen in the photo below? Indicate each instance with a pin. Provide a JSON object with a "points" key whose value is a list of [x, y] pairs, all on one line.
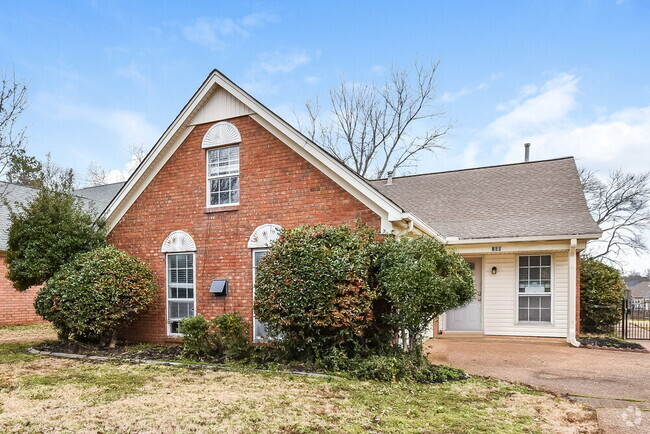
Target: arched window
{"points": [[260, 240], [221, 142], [179, 248]]}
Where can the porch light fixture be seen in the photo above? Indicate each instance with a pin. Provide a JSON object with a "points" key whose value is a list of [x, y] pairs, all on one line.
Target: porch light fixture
{"points": [[494, 270], [219, 287]]}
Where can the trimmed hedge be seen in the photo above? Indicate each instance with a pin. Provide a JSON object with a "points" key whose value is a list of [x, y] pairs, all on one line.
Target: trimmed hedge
{"points": [[96, 294]]}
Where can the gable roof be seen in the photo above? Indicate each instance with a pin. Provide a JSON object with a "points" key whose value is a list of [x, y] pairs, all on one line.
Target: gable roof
{"points": [[199, 106], [640, 290], [100, 195], [541, 198], [95, 197]]}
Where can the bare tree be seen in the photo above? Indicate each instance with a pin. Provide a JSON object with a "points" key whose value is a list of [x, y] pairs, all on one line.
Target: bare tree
{"points": [[98, 175], [620, 205], [378, 129], [13, 102]]}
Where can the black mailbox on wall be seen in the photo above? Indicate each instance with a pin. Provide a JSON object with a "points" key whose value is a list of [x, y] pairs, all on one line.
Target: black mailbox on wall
{"points": [[219, 287]]}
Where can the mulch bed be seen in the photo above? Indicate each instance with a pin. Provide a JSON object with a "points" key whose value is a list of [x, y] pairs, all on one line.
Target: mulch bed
{"points": [[124, 350], [609, 343]]}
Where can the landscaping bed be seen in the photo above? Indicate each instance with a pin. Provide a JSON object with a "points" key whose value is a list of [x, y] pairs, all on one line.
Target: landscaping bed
{"points": [[125, 350], [611, 343]]}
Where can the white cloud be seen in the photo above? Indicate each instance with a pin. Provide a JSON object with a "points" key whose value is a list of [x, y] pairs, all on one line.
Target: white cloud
{"points": [[312, 80], [283, 61], [547, 117], [128, 127], [258, 19], [133, 72], [538, 110], [217, 33], [453, 96]]}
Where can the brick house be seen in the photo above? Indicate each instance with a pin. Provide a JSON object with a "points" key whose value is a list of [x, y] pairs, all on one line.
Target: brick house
{"points": [[18, 307], [228, 174]]}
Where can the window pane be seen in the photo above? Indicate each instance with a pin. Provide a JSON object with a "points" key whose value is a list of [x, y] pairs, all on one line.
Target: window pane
{"points": [[214, 199], [533, 315], [534, 302], [546, 260], [224, 197], [234, 196], [534, 261], [523, 314], [224, 184], [546, 302], [546, 273], [523, 261], [546, 315], [523, 275]]}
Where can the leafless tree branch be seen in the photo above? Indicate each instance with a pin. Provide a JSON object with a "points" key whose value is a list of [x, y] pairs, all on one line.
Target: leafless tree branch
{"points": [[376, 129], [620, 205]]}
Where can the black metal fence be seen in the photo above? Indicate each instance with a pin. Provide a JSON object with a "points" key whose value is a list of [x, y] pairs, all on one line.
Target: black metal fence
{"points": [[635, 319]]}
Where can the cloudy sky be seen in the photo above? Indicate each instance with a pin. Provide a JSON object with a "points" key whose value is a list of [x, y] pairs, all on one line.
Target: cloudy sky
{"points": [[572, 78]]}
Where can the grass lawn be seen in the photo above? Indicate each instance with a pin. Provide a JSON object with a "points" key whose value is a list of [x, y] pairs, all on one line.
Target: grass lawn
{"points": [[40, 394]]}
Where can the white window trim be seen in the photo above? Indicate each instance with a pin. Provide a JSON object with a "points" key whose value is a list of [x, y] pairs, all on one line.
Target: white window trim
{"points": [[255, 337], [168, 322], [552, 295], [208, 178]]}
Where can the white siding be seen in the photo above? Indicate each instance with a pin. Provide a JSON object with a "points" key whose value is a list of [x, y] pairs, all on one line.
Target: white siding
{"points": [[220, 106], [500, 297]]}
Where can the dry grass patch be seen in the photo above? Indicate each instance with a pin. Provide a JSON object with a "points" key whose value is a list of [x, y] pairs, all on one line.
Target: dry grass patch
{"points": [[43, 394], [26, 333]]}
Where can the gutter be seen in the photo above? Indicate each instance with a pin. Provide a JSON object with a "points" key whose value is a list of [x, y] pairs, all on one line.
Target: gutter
{"points": [[456, 240]]}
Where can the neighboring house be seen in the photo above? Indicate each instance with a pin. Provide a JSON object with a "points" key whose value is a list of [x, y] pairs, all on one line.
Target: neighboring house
{"points": [[640, 294], [18, 307], [228, 174]]}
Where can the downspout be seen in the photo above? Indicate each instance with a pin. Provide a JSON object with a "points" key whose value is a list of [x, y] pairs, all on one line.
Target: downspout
{"points": [[573, 278]]}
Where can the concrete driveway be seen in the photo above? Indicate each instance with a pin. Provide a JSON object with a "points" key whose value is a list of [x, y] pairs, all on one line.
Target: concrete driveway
{"points": [[613, 382]]}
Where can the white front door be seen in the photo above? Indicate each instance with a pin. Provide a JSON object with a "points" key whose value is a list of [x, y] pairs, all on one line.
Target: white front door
{"points": [[468, 317]]}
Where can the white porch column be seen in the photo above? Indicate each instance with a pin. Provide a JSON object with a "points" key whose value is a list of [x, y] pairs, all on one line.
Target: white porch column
{"points": [[573, 277]]}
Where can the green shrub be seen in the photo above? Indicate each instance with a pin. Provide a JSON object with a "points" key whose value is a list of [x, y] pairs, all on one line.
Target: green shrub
{"points": [[234, 334], [225, 337], [47, 233], [419, 279], [199, 341], [601, 292], [402, 367], [312, 291], [96, 294]]}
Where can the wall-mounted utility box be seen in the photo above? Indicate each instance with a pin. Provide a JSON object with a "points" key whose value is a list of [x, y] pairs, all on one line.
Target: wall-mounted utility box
{"points": [[219, 287]]}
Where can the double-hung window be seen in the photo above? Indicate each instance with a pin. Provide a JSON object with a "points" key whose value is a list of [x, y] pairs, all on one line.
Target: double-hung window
{"points": [[535, 288], [223, 175], [181, 301], [259, 328]]}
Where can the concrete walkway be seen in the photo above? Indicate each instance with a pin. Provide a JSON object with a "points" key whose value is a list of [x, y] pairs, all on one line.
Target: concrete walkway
{"points": [[616, 383]]}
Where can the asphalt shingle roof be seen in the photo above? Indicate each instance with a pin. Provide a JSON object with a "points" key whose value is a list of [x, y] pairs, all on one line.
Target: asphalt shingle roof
{"points": [[640, 290], [96, 197], [538, 198], [100, 195]]}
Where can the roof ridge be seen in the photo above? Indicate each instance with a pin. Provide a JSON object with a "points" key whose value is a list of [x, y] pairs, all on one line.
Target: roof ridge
{"points": [[475, 168]]}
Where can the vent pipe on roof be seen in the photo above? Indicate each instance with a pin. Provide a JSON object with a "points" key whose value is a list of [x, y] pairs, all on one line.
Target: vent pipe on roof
{"points": [[527, 152], [389, 180]]}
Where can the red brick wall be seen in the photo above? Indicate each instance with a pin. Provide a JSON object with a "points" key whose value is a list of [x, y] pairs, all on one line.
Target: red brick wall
{"points": [[15, 307], [276, 186]]}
